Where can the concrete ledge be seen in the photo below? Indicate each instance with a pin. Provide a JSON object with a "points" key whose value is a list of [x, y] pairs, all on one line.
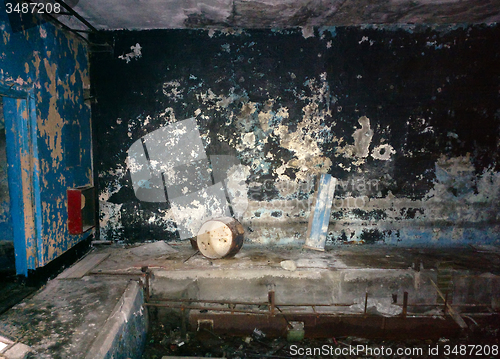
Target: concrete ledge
{"points": [[324, 286], [17, 351], [13, 350], [124, 333]]}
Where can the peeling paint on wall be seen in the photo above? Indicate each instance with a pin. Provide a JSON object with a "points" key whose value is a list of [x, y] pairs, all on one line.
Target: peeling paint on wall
{"points": [[134, 54], [51, 65], [376, 107]]}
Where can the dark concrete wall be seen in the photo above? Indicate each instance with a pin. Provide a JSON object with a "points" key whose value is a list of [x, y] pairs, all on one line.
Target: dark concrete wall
{"points": [[407, 119], [50, 65]]}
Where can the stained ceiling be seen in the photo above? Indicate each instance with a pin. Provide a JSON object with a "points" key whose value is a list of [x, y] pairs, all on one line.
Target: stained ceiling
{"points": [[182, 14]]}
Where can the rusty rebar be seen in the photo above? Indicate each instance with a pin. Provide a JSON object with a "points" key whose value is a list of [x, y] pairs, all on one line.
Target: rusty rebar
{"points": [[405, 304]]}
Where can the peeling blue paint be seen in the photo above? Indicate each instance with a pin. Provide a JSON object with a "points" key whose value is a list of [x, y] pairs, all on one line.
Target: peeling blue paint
{"points": [[330, 29], [43, 71]]}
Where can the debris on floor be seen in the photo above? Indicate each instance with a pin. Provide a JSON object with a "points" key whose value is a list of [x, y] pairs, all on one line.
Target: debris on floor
{"points": [[159, 248], [165, 341]]}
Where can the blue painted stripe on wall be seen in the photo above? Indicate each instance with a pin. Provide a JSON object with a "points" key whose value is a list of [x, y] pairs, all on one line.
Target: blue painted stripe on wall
{"points": [[320, 214]]}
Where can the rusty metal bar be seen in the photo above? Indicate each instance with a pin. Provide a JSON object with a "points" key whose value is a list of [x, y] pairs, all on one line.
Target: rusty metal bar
{"points": [[316, 305], [271, 304], [322, 314], [191, 256], [193, 300], [183, 322], [445, 302], [195, 307], [272, 301], [440, 304], [405, 304], [224, 302], [112, 273], [366, 302], [452, 312]]}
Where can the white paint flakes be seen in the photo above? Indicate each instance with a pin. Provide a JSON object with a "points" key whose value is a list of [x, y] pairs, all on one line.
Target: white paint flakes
{"points": [[383, 152], [307, 31], [366, 39], [43, 32], [172, 90], [248, 139], [135, 54]]}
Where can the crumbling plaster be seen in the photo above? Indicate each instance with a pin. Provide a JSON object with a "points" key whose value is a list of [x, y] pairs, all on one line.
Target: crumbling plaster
{"points": [[393, 112]]}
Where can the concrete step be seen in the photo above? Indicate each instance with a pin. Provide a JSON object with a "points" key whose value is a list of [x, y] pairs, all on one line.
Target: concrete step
{"points": [[322, 286]]}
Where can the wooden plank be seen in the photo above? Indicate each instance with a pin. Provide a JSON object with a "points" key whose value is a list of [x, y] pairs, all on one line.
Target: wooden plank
{"points": [[81, 268], [319, 217]]}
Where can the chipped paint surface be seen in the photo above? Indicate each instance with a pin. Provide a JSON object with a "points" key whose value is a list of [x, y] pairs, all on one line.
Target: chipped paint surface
{"points": [[376, 107], [49, 66]]}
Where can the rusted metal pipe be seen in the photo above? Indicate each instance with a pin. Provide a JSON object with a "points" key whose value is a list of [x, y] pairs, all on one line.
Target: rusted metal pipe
{"points": [[197, 307], [193, 300]]}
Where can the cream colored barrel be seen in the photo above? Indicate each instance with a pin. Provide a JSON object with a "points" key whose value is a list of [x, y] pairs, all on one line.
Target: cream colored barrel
{"points": [[220, 237]]}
